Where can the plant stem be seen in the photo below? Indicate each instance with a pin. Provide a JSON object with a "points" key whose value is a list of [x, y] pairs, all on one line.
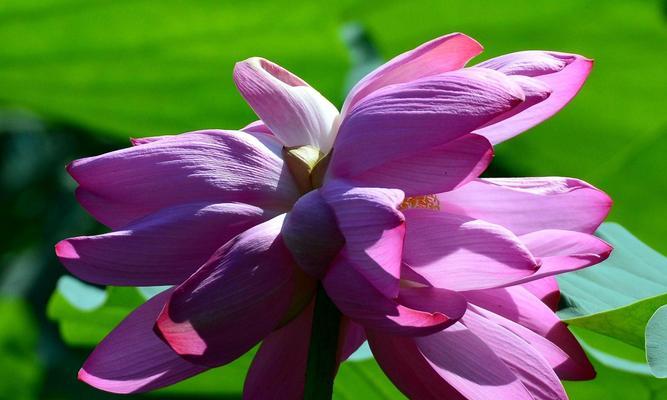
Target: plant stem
{"points": [[321, 366]]}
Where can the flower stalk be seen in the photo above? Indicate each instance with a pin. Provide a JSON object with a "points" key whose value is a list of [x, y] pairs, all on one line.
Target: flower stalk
{"points": [[321, 366]]}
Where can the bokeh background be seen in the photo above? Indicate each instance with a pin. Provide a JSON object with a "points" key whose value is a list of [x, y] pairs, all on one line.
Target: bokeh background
{"points": [[79, 77]]}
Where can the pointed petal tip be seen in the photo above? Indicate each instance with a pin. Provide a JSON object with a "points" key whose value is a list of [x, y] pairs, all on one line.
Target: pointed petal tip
{"points": [[65, 249]]}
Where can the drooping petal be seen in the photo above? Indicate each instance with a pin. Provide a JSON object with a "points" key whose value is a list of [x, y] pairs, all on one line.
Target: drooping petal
{"points": [[164, 248], [443, 54], [415, 311], [132, 359], [524, 205], [545, 289], [234, 300], [563, 73], [517, 304], [295, 112], [373, 229], [470, 365], [206, 166], [460, 253], [311, 233], [438, 169], [402, 362], [520, 357], [562, 251], [403, 120]]}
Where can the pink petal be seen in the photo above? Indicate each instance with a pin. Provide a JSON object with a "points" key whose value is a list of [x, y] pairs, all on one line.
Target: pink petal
{"points": [[459, 253], [373, 229], [257, 127], [205, 166], [295, 112], [524, 205], [545, 289], [278, 370], [443, 54], [407, 119], [232, 302], [564, 251], [402, 362], [438, 169], [416, 311], [132, 359], [470, 365], [520, 357], [517, 304], [164, 248], [564, 73], [311, 233]]}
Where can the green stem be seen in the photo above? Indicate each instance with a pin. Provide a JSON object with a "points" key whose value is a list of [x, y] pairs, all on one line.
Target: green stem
{"points": [[321, 367]]}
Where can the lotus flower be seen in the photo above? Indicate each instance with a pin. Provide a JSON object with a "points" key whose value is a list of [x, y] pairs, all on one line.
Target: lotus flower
{"points": [[447, 275]]}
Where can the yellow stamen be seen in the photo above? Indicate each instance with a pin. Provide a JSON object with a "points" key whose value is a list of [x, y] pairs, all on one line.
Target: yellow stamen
{"points": [[428, 202]]}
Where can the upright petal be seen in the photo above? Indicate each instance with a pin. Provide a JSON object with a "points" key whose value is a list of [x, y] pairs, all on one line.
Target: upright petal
{"points": [[373, 229], [438, 169], [525, 205], [460, 253], [132, 359], [443, 54], [232, 302], [206, 166], [516, 304], [295, 112], [415, 311], [164, 248], [563, 73], [404, 120]]}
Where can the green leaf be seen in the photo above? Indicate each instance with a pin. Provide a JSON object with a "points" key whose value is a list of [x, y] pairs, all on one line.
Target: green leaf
{"points": [[364, 380], [656, 342]]}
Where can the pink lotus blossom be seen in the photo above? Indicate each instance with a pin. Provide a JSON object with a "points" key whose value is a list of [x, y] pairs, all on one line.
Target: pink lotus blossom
{"points": [[449, 276]]}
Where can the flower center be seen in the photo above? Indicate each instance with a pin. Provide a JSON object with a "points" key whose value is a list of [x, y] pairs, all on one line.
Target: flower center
{"points": [[307, 165], [427, 202]]}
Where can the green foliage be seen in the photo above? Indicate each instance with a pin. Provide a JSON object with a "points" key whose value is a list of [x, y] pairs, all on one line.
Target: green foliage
{"points": [[656, 342]]}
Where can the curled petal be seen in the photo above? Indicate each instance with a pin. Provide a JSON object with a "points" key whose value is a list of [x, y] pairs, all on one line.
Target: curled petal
{"points": [[459, 253], [415, 311], [120, 187], [164, 248], [233, 301], [545, 289], [132, 359], [295, 112], [406, 119], [563, 73], [373, 229], [443, 54], [525, 205]]}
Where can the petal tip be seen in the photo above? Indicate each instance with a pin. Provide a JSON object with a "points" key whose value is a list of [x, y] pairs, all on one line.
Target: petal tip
{"points": [[65, 249]]}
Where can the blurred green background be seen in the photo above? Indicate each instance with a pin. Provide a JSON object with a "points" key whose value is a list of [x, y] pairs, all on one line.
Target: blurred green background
{"points": [[79, 77]]}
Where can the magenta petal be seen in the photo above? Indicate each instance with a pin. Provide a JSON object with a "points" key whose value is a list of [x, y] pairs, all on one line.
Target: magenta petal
{"points": [[459, 253], [545, 289], [443, 54], [278, 370], [164, 248], [232, 302], [525, 205], [470, 365], [132, 359], [373, 229], [438, 169], [206, 166], [520, 357], [311, 233], [517, 304], [564, 251], [416, 311], [563, 73], [257, 127], [407, 368], [295, 112], [404, 120]]}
